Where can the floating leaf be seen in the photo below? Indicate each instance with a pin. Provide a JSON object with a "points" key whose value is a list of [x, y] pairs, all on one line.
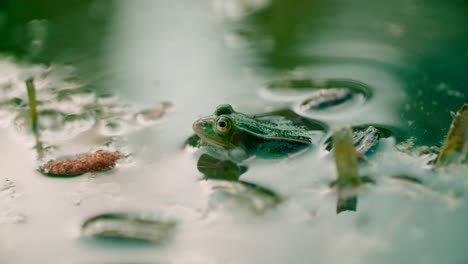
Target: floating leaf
{"points": [[214, 168], [89, 162], [365, 139], [251, 197], [132, 226], [327, 98], [455, 149], [319, 95], [347, 168], [409, 179]]}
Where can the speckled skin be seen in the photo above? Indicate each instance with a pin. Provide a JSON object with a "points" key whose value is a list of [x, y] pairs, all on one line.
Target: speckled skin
{"points": [[263, 138]]}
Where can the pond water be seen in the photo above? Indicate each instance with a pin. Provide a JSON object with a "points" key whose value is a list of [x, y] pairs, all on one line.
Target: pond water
{"points": [[97, 64]]}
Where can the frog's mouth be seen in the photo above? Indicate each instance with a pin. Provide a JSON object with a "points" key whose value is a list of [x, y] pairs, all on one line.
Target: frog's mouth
{"points": [[204, 129]]}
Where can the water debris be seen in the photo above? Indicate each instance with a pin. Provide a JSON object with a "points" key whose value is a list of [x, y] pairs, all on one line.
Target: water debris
{"points": [[214, 168], [408, 179], [250, 197], [364, 180], [7, 189], [89, 162], [409, 147], [326, 98], [130, 226], [154, 114], [455, 149], [348, 181], [366, 139]]}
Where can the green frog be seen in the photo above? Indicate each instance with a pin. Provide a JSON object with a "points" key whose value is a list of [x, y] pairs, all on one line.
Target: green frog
{"points": [[243, 136]]}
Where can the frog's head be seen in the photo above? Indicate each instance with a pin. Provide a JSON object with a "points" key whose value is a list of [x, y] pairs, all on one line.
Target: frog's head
{"points": [[217, 129]]}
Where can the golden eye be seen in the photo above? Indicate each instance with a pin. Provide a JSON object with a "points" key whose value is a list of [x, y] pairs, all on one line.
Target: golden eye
{"points": [[223, 124]]}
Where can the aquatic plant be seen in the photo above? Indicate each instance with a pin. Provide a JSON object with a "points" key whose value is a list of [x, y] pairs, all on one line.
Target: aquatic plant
{"points": [[214, 168], [455, 149], [31, 89], [32, 104], [347, 167]]}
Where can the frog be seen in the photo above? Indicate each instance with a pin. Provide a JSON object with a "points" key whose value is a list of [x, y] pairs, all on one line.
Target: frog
{"points": [[243, 136]]}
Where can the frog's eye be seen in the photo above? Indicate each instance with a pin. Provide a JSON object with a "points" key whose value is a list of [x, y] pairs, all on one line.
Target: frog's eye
{"points": [[223, 124]]}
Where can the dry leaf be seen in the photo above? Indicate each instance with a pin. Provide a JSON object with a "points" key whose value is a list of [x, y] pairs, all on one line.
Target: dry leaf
{"points": [[89, 162]]}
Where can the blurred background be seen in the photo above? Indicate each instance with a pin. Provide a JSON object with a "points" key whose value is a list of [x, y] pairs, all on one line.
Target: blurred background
{"points": [[148, 46]]}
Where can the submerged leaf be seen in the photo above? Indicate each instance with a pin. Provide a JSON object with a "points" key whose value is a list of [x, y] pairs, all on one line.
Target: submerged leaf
{"points": [[133, 226], [455, 149], [251, 197], [89, 162], [214, 168]]}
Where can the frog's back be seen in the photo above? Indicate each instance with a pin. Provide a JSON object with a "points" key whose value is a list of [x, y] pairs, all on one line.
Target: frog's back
{"points": [[276, 136], [276, 147]]}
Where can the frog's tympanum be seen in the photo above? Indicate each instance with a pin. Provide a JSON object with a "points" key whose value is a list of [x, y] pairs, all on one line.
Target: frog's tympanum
{"points": [[244, 136]]}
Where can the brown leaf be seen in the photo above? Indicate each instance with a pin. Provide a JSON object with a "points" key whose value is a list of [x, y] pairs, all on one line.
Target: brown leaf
{"points": [[89, 162]]}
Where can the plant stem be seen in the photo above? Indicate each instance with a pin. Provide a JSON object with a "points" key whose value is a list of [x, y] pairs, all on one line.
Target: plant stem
{"points": [[33, 113], [455, 149], [32, 104], [348, 181]]}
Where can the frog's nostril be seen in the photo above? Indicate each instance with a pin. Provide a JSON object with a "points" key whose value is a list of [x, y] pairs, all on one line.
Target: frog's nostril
{"points": [[194, 125], [197, 125]]}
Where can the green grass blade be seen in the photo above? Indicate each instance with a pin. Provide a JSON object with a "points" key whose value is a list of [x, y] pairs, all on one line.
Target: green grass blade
{"points": [[32, 104], [455, 149], [347, 167]]}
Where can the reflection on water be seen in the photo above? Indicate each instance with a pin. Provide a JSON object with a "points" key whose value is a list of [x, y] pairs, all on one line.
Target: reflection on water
{"points": [[196, 55]]}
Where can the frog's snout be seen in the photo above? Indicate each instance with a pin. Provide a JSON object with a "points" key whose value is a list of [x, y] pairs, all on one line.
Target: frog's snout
{"points": [[198, 126]]}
